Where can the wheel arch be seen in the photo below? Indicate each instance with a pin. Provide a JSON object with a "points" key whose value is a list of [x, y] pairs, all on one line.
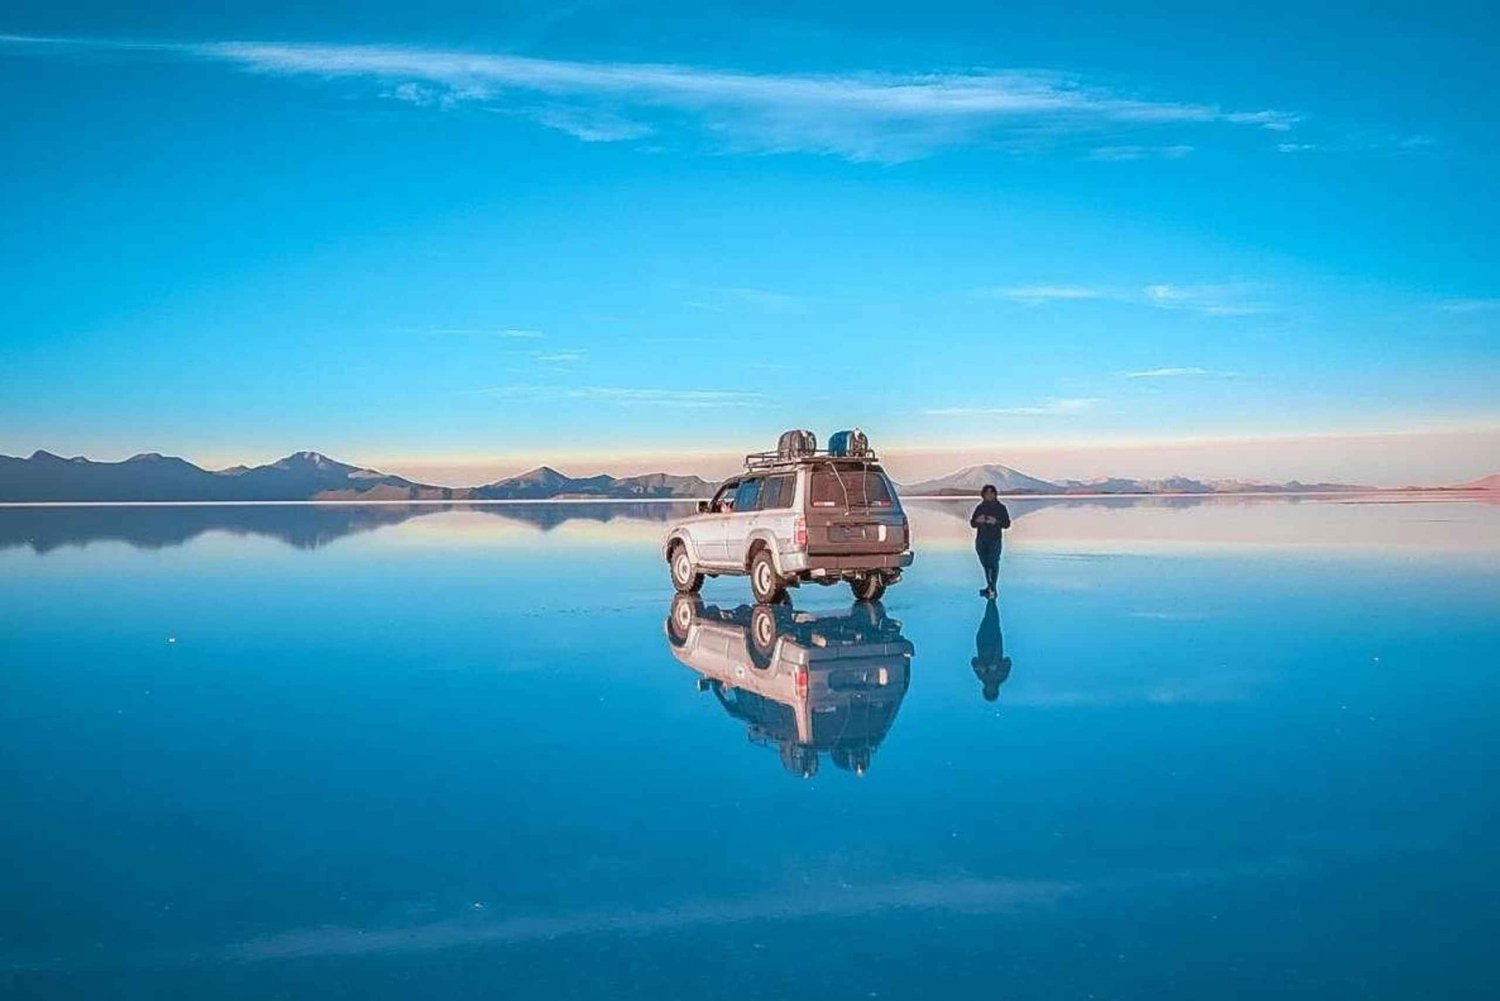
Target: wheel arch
{"points": [[763, 538], [679, 538]]}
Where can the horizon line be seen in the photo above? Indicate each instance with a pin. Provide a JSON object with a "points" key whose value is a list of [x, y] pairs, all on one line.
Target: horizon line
{"points": [[389, 465]]}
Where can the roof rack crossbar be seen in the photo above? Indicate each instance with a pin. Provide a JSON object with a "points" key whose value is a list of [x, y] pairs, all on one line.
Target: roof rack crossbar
{"points": [[765, 460]]}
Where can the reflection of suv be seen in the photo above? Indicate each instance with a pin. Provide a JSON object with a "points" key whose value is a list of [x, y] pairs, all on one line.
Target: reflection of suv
{"points": [[797, 515], [805, 685]]}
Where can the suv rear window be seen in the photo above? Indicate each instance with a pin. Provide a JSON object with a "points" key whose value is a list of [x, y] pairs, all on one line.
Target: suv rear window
{"points": [[851, 486]]}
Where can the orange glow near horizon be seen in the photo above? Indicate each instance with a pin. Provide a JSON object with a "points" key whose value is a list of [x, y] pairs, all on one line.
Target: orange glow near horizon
{"points": [[1383, 459]]}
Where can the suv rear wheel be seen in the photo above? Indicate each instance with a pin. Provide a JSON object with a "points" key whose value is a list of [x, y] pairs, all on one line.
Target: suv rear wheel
{"points": [[870, 587], [763, 631], [685, 578], [765, 583]]}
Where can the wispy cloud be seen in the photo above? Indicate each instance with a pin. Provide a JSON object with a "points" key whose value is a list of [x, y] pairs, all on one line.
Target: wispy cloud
{"points": [[1051, 408], [1210, 300], [1035, 295], [1176, 373], [1119, 153], [591, 125], [878, 117], [1470, 305], [559, 357], [630, 396]]}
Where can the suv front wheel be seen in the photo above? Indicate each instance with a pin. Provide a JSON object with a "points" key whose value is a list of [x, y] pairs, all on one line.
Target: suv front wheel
{"points": [[765, 583], [685, 577]]}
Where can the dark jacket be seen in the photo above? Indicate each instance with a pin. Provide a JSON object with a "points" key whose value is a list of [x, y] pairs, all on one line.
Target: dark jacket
{"points": [[989, 533]]}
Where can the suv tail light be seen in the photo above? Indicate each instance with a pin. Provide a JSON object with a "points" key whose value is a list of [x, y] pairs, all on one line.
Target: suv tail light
{"points": [[800, 680], [905, 531], [799, 533]]}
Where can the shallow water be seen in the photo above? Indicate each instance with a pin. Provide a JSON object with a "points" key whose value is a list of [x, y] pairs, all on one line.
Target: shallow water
{"points": [[1236, 748]]}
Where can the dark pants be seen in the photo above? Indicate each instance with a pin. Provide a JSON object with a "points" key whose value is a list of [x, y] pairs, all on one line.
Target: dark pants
{"points": [[989, 558]]}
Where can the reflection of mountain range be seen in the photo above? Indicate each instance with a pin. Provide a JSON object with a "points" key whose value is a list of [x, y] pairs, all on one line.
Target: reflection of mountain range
{"points": [[967, 482], [305, 526], [300, 476]]}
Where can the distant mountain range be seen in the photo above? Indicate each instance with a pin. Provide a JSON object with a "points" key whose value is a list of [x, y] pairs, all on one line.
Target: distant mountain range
{"points": [[301, 476], [967, 481]]}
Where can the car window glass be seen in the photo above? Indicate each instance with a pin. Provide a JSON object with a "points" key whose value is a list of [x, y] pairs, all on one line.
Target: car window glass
{"points": [[850, 486], [777, 493], [724, 499], [746, 497]]}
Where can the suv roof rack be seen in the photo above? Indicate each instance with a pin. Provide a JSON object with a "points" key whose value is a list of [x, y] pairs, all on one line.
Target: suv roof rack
{"points": [[756, 461]]}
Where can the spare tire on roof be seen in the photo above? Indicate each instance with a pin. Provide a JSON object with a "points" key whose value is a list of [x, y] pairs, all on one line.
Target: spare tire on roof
{"points": [[796, 442]]}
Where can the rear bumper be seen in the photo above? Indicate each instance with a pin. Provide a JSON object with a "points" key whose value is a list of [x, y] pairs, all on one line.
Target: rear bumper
{"points": [[829, 563]]}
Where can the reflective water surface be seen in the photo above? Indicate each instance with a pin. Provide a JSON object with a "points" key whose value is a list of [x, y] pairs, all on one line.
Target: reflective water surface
{"points": [[1198, 748]]}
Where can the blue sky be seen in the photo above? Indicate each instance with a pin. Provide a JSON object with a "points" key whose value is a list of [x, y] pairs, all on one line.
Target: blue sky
{"points": [[466, 236]]}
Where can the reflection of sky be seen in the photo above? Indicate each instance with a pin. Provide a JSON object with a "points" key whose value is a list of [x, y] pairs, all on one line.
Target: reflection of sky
{"points": [[456, 750]]}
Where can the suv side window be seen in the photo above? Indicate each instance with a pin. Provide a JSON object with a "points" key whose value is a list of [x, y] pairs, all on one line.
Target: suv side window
{"points": [[777, 493], [747, 497]]}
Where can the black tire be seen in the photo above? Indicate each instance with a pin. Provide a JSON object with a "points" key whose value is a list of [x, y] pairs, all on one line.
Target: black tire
{"points": [[685, 611], [870, 587], [685, 577], [765, 583], [762, 635]]}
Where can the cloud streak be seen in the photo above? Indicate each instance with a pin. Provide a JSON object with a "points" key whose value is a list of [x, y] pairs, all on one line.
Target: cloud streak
{"points": [[1209, 300], [872, 116], [1113, 154], [1176, 373], [1036, 295], [1051, 408]]}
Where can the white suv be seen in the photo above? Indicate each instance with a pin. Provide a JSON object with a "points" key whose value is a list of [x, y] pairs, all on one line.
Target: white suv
{"points": [[789, 518]]}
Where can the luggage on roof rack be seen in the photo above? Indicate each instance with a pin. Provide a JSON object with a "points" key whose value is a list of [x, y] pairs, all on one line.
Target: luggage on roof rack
{"points": [[796, 443], [799, 446], [849, 444]]}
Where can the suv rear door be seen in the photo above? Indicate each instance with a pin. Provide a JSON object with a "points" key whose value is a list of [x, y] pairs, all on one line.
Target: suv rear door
{"points": [[852, 510]]}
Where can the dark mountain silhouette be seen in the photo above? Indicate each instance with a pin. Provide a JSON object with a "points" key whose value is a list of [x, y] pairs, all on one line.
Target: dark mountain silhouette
{"points": [[154, 477], [967, 482], [301, 476], [544, 483]]}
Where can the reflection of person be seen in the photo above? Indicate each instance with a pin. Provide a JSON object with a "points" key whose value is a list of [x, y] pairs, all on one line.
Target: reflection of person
{"points": [[989, 519], [990, 664]]}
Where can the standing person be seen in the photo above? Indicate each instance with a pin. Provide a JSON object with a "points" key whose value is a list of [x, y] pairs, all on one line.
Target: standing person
{"points": [[988, 520]]}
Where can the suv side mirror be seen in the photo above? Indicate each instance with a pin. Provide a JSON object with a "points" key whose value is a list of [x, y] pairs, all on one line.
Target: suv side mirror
{"points": [[703, 507]]}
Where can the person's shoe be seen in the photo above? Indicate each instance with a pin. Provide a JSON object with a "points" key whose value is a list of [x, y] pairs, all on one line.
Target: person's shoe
{"points": [[984, 592]]}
